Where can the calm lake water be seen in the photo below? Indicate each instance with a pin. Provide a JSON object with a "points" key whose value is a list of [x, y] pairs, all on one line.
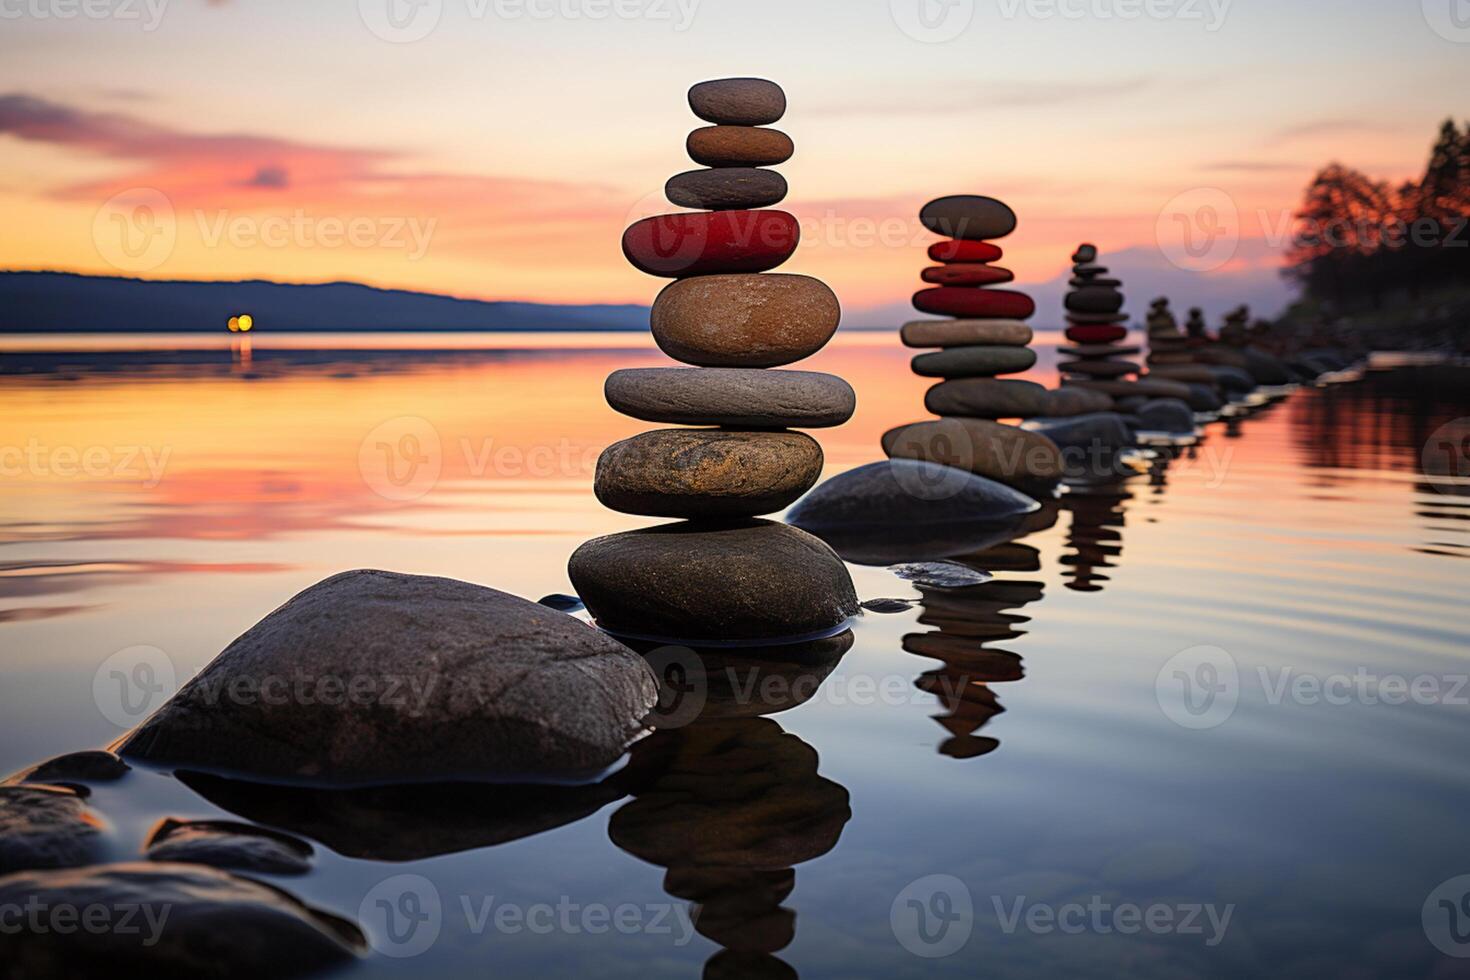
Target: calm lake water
{"points": [[1193, 754]]}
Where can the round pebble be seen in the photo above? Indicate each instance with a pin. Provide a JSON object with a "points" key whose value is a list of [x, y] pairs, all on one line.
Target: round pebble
{"points": [[739, 146], [744, 321], [738, 101], [677, 245], [726, 188]]}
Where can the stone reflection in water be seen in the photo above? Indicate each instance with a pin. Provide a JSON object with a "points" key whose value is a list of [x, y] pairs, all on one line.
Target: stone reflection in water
{"points": [[965, 622], [733, 805], [1095, 538]]}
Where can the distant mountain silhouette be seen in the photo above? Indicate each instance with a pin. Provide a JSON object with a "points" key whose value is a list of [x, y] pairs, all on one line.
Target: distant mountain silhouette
{"points": [[46, 302]]}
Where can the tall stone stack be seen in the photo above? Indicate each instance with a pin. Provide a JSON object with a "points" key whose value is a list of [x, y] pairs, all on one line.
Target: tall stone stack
{"points": [[722, 576], [1196, 328], [1096, 327], [984, 337], [1170, 354]]}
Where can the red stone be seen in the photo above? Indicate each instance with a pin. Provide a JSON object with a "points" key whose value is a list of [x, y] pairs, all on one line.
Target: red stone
{"points": [[707, 243], [957, 251], [1095, 333], [967, 274], [974, 303]]}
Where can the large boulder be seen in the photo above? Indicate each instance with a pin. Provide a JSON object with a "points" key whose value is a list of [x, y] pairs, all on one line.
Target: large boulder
{"points": [[910, 510], [374, 676], [170, 921]]}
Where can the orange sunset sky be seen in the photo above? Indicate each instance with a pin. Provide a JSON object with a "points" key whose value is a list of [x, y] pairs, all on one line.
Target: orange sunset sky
{"points": [[496, 148]]}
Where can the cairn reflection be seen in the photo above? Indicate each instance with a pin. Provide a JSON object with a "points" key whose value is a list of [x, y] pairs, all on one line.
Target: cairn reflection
{"points": [[727, 801]]}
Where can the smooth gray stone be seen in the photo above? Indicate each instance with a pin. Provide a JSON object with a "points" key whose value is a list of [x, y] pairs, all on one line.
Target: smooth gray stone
{"points": [[738, 101], [940, 574], [46, 827], [739, 583], [1266, 368], [446, 680], [905, 510], [1204, 398], [974, 362], [1068, 401], [1166, 415], [746, 398], [199, 922], [726, 188], [1233, 379], [1084, 255], [987, 398], [1104, 430], [970, 217], [225, 844]]}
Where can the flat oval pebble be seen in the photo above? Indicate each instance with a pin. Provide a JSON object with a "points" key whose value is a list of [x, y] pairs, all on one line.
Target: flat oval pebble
{"points": [[45, 826], [969, 217], [1070, 400], [707, 472], [965, 333], [1005, 453], [751, 582], [940, 574], [1104, 318], [967, 274], [974, 303], [1094, 299], [962, 251], [1099, 369], [739, 146], [744, 321], [738, 101], [987, 398], [711, 243], [1096, 333], [1098, 350], [726, 188], [227, 844], [739, 397], [973, 362], [1148, 387]]}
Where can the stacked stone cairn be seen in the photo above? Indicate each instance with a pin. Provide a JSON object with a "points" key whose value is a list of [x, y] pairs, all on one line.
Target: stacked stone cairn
{"points": [[1170, 353], [722, 577], [1097, 327], [985, 337]]}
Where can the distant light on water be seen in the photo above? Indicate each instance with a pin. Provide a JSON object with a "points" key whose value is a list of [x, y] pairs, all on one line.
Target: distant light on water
{"points": [[234, 324], [242, 323]]}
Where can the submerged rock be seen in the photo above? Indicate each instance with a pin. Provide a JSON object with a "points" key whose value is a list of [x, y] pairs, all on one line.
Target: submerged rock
{"points": [[224, 844], [374, 676], [43, 827], [172, 921], [409, 821], [904, 510], [92, 766], [940, 574], [741, 583]]}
